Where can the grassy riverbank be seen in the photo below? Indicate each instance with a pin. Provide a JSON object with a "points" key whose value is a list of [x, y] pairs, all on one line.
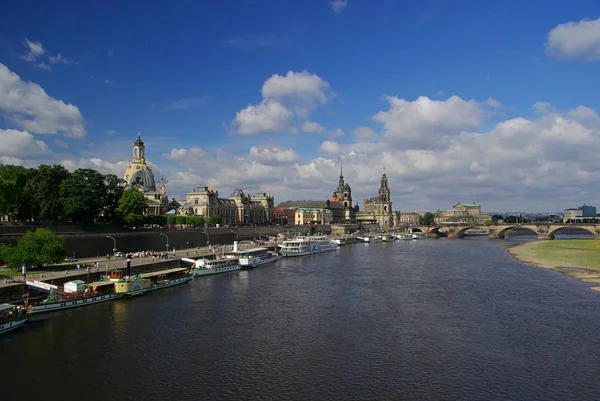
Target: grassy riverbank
{"points": [[576, 258]]}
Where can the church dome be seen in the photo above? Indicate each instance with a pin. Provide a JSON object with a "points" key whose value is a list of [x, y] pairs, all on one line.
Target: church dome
{"points": [[237, 193], [145, 178]]}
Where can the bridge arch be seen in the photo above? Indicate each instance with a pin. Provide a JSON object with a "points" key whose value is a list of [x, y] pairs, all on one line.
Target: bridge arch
{"points": [[595, 231], [502, 232]]}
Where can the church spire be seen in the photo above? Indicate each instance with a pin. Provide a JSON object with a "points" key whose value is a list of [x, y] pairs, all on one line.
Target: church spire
{"points": [[341, 180]]}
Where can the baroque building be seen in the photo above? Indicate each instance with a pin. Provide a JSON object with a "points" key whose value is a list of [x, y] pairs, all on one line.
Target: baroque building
{"points": [[379, 208], [238, 209], [139, 175], [343, 195], [463, 213]]}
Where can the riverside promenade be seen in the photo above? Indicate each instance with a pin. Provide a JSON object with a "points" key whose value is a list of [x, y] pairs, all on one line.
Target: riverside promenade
{"points": [[105, 265]]}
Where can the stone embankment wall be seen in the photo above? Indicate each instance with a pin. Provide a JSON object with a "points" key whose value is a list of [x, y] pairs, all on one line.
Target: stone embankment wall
{"points": [[84, 245]]}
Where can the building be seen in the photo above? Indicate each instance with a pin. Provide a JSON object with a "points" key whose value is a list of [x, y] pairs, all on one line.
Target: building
{"points": [[406, 219], [282, 216], [139, 175], [313, 215], [337, 208], [379, 208], [238, 209], [579, 214], [343, 195], [463, 213]]}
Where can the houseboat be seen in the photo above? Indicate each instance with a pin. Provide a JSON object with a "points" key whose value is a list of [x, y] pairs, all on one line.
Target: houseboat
{"points": [[307, 245], [12, 317]]}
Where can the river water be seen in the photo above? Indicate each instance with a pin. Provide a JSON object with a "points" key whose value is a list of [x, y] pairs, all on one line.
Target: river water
{"points": [[435, 319]]}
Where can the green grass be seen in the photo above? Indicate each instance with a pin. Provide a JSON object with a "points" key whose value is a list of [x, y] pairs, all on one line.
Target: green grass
{"points": [[581, 253]]}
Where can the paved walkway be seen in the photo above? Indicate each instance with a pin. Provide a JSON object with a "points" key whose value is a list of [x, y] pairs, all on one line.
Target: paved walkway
{"points": [[105, 264]]}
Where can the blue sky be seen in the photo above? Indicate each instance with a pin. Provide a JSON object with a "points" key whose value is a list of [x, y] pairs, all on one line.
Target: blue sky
{"points": [[180, 73]]}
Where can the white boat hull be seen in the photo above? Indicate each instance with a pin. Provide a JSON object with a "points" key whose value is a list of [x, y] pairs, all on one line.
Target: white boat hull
{"points": [[6, 327], [208, 272], [54, 306], [320, 249], [255, 262]]}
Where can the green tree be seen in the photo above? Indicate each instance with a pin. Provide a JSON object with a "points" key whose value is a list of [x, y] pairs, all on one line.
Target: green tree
{"points": [[35, 249], [131, 207], [45, 190], [16, 200], [180, 219], [81, 195], [172, 220], [114, 189], [428, 219], [213, 220]]}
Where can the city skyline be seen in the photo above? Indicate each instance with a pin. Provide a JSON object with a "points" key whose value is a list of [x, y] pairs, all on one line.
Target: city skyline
{"points": [[276, 96]]}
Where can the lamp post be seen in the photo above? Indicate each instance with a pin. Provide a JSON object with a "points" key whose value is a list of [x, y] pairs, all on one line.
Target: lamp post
{"points": [[207, 238], [114, 244], [165, 235]]}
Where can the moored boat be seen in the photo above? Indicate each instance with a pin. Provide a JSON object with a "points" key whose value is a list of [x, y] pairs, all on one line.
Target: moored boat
{"points": [[167, 278], [307, 245], [340, 241], [253, 257], [12, 317], [205, 267]]}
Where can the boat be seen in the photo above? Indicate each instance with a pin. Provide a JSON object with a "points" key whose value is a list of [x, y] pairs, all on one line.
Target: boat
{"points": [[12, 317], [418, 236], [475, 232], [254, 257], [404, 236], [340, 241], [167, 278], [307, 245], [389, 238], [377, 239], [205, 267]]}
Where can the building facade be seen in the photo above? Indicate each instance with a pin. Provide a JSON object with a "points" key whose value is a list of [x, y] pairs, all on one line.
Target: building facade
{"points": [[463, 213], [343, 195], [580, 213], [379, 208], [313, 215], [406, 220], [139, 175], [238, 209]]}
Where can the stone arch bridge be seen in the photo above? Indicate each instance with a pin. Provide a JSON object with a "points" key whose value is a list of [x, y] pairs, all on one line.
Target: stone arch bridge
{"points": [[543, 231]]}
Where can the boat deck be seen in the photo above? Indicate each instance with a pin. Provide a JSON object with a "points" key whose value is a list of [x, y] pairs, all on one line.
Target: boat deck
{"points": [[163, 272]]}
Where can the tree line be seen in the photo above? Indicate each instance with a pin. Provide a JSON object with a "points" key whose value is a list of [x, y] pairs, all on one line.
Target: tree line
{"points": [[53, 193]]}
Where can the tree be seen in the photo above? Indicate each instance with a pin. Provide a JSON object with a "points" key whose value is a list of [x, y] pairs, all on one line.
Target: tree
{"points": [[427, 219], [45, 190], [114, 189], [81, 195], [131, 207], [213, 220], [172, 220], [35, 249], [16, 200]]}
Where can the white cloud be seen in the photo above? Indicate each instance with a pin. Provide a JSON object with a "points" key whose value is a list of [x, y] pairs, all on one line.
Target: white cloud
{"points": [[425, 122], [21, 144], [284, 97], [61, 144], [110, 132], [267, 116], [542, 107], [28, 107], [330, 147], [575, 40], [60, 59], [272, 156], [364, 134], [34, 50], [294, 130], [312, 127], [336, 133], [338, 5], [45, 66]]}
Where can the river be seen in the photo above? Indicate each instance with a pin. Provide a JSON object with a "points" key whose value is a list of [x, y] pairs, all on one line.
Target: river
{"points": [[435, 319]]}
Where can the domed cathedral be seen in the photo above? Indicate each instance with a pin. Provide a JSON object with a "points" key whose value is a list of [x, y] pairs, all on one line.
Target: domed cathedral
{"points": [[139, 175], [379, 208], [343, 195]]}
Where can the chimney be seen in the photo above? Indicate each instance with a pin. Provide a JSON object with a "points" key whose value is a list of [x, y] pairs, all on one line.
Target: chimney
{"points": [[235, 246]]}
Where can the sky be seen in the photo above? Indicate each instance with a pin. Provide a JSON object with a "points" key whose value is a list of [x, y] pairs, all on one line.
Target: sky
{"points": [[460, 101]]}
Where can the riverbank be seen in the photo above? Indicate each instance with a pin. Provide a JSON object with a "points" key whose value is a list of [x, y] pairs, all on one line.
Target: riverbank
{"points": [[576, 258]]}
